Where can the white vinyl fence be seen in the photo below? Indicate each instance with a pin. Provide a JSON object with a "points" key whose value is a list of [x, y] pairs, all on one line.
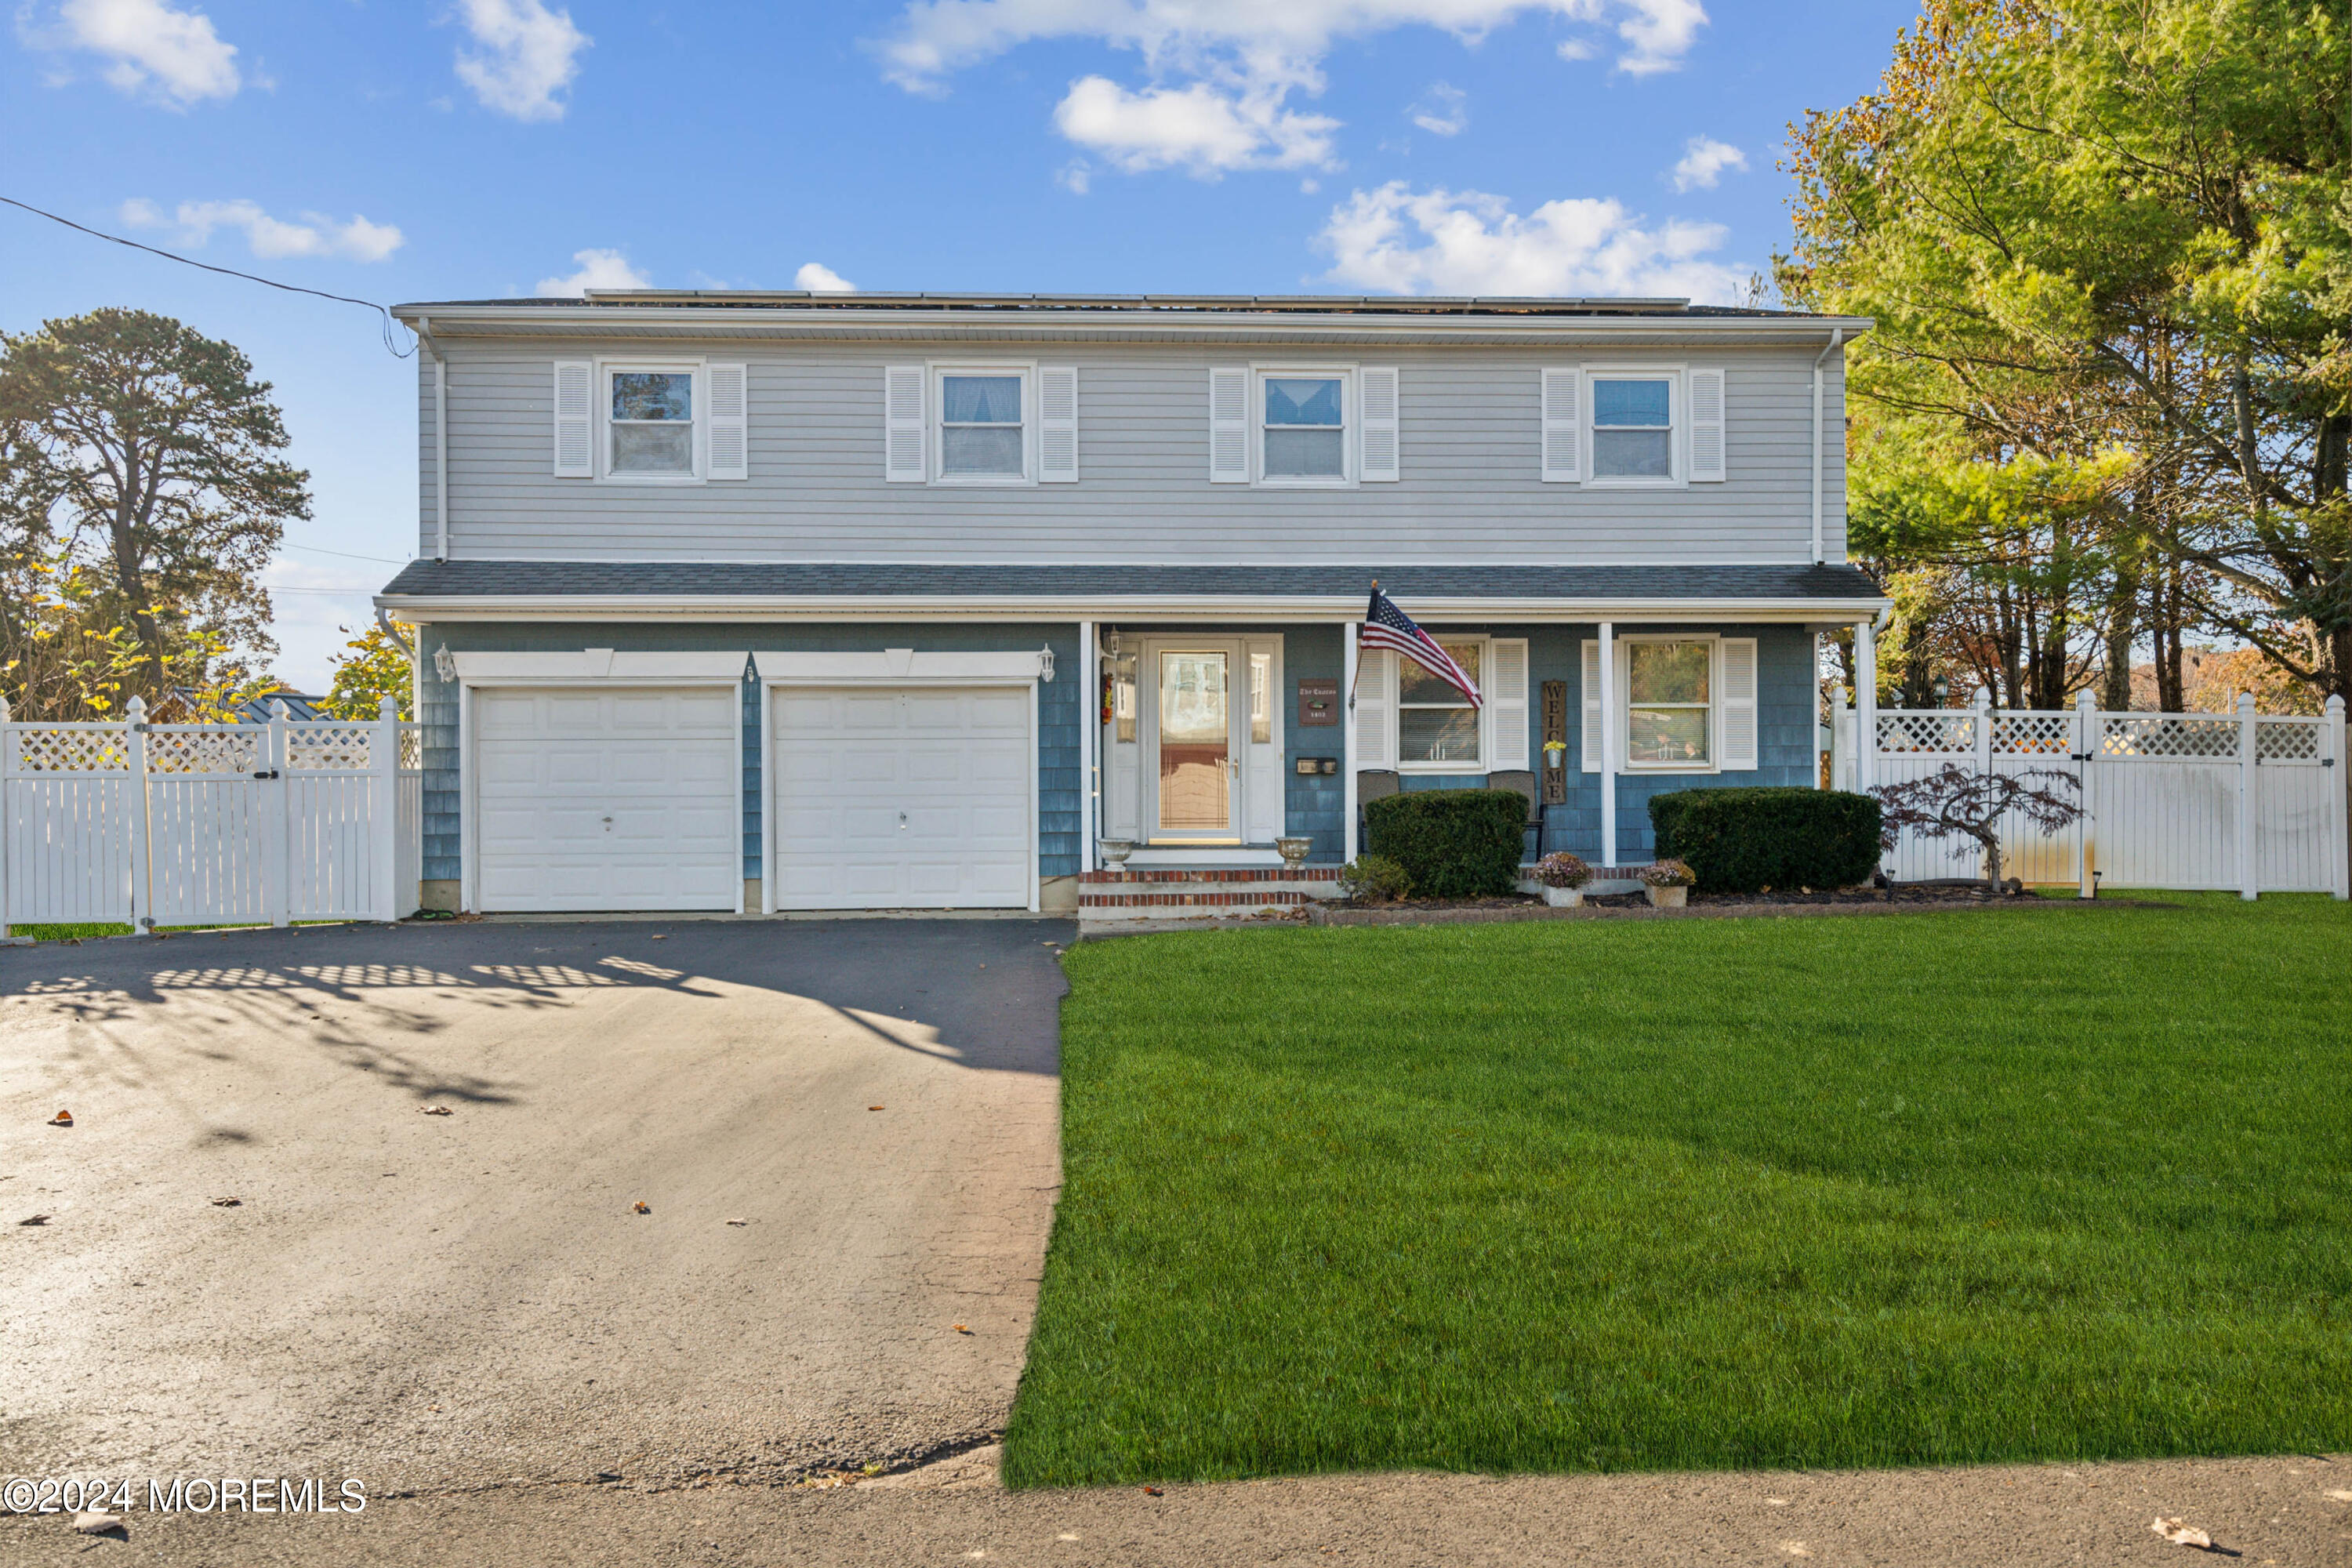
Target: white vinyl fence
{"points": [[174, 825], [2242, 801]]}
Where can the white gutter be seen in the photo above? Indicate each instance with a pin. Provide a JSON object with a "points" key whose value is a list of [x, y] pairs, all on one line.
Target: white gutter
{"points": [[424, 330], [1106, 608], [1837, 335]]}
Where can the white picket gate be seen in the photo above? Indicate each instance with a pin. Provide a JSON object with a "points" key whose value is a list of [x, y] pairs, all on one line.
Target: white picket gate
{"points": [[172, 825], [2248, 801]]}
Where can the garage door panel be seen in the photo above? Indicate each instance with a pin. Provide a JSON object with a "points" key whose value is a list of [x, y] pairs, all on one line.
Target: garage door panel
{"points": [[626, 799], [847, 764]]}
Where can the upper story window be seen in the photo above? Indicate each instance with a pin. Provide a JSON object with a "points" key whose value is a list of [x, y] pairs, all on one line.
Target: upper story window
{"points": [[649, 429], [1304, 431], [981, 431], [1632, 427]]}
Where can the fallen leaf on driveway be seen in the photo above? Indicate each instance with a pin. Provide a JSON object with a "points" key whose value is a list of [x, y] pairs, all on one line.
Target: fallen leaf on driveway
{"points": [[661, 939], [228, 1202], [1152, 1491], [62, 1118], [639, 1207], [2181, 1534], [434, 1110], [739, 1222], [873, 1108], [36, 1219], [96, 1523], [959, 1328]]}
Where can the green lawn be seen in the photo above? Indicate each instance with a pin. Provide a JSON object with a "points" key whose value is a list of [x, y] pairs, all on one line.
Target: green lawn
{"points": [[1846, 1191]]}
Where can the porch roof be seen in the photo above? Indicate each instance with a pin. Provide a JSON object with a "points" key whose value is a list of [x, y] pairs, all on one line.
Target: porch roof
{"points": [[445, 590]]}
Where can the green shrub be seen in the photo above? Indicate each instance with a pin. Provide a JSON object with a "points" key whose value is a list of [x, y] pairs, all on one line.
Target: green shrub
{"points": [[1453, 843], [1746, 840], [1374, 879]]}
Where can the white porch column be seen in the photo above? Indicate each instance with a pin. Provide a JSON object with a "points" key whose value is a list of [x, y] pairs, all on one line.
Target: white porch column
{"points": [[1348, 739], [2248, 799], [1610, 743], [1089, 745], [1865, 705]]}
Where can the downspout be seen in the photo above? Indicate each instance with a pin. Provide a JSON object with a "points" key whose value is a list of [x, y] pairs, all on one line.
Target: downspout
{"points": [[1820, 552], [441, 441]]}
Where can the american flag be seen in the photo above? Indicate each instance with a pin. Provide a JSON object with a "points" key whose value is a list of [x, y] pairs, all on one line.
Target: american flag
{"points": [[1387, 626]]}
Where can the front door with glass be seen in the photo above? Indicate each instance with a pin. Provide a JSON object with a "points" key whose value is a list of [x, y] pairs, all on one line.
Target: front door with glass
{"points": [[1196, 784]]}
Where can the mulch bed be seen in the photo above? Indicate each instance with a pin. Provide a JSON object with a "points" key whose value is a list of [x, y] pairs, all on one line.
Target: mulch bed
{"points": [[1702, 906]]}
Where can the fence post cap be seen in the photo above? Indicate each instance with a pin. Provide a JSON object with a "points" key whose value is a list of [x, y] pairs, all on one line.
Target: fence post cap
{"points": [[137, 709], [386, 710], [2084, 698], [3, 709], [2245, 701], [277, 709], [2334, 706]]}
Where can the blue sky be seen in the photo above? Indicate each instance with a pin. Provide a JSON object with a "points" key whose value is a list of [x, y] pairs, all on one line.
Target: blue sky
{"points": [[464, 148]]}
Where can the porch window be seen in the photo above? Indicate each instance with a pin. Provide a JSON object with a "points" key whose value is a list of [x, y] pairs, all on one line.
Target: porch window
{"points": [[1669, 715], [1435, 723]]}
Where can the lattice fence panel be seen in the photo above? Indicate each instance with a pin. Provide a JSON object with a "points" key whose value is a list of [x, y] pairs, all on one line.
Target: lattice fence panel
{"points": [[2286, 740], [2170, 736], [1950, 733], [324, 748], [2032, 735], [412, 747], [71, 751], [205, 751]]}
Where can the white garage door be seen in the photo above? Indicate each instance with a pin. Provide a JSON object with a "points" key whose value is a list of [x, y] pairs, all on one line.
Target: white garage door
{"points": [[593, 799], [902, 797]]}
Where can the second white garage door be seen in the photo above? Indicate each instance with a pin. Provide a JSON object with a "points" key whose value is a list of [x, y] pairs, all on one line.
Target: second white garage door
{"points": [[902, 797], [608, 799]]}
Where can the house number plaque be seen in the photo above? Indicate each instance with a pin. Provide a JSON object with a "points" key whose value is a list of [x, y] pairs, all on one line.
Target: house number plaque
{"points": [[1318, 700]]}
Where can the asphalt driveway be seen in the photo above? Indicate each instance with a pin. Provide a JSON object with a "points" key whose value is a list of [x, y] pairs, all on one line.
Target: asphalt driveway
{"points": [[426, 1300]]}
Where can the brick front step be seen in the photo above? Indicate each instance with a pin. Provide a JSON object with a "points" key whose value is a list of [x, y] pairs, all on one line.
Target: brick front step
{"points": [[1186, 874]]}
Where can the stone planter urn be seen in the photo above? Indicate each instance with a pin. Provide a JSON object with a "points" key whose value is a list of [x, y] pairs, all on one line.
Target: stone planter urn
{"points": [[1293, 851], [1668, 897], [1115, 852], [1564, 898]]}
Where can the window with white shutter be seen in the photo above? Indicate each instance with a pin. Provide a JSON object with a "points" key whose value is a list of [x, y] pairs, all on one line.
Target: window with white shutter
{"points": [[1377, 405], [1591, 686], [1507, 704], [1706, 453], [1563, 426], [1229, 444], [729, 455], [1375, 709], [904, 460], [1738, 704], [575, 433], [1058, 424]]}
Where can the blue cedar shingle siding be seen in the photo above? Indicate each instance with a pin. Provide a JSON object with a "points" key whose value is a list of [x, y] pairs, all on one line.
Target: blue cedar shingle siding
{"points": [[1059, 708], [1313, 805]]}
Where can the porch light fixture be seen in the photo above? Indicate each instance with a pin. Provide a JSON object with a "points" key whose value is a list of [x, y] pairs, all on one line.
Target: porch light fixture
{"points": [[1046, 662], [445, 664]]}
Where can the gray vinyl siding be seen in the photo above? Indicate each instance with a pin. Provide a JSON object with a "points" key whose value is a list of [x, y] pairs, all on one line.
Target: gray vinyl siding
{"points": [[1471, 491]]}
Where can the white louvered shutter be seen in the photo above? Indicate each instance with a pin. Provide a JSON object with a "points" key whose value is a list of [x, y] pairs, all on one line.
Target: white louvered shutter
{"points": [[903, 460], [1375, 709], [1563, 429], [1058, 424], [1377, 414], [1706, 426], [729, 454], [1507, 702], [1591, 726], [575, 440], [1739, 704], [1229, 426]]}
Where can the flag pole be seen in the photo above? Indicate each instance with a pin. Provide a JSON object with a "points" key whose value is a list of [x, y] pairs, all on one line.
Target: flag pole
{"points": [[1359, 674]]}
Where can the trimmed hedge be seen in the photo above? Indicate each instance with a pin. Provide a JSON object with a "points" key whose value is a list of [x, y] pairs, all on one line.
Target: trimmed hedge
{"points": [[1453, 843], [1746, 840]]}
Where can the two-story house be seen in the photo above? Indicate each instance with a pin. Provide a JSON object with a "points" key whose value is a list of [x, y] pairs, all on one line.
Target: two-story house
{"points": [[771, 601]]}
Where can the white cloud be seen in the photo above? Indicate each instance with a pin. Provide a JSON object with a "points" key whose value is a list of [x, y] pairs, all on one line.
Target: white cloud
{"points": [[818, 278], [530, 54], [1221, 72], [1199, 129], [173, 57], [1076, 176], [355, 239], [1703, 160], [1442, 110], [1572, 50], [598, 270], [1397, 240]]}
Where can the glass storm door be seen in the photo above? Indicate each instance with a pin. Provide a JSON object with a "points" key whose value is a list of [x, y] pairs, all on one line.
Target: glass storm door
{"points": [[1196, 778]]}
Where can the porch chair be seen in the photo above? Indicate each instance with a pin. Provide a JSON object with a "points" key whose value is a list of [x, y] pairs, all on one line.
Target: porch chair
{"points": [[1525, 783], [1371, 785]]}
